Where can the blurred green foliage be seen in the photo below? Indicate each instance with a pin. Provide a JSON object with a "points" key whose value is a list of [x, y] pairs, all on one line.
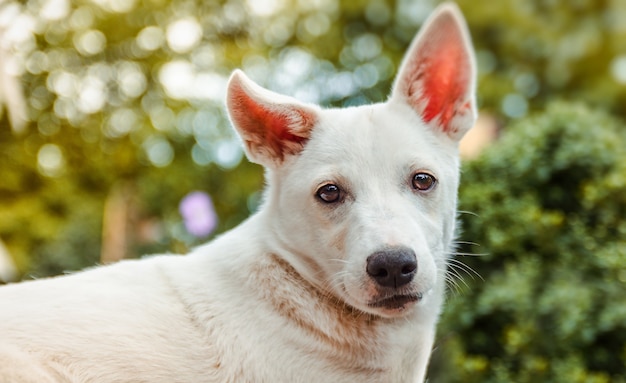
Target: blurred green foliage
{"points": [[549, 201], [128, 94]]}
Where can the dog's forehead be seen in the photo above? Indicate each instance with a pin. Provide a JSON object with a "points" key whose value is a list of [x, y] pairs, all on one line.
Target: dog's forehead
{"points": [[380, 133]]}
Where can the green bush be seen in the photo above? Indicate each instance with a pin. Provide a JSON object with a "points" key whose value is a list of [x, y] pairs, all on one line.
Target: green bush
{"points": [[548, 208]]}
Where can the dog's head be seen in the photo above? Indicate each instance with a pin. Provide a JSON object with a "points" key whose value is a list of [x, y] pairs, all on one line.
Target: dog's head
{"points": [[363, 199]]}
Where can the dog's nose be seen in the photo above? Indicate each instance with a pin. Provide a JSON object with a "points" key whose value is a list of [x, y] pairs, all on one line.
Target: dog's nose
{"points": [[392, 267]]}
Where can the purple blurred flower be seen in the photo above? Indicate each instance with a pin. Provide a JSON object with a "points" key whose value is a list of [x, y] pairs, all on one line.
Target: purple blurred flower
{"points": [[198, 214]]}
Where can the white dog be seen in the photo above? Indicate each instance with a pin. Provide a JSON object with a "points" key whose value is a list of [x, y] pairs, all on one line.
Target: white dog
{"points": [[339, 277]]}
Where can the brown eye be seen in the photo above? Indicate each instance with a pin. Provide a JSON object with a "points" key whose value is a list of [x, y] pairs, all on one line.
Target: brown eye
{"points": [[329, 193], [423, 181]]}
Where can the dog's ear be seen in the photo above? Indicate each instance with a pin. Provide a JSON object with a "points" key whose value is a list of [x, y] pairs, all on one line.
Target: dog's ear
{"points": [[271, 125], [437, 76]]}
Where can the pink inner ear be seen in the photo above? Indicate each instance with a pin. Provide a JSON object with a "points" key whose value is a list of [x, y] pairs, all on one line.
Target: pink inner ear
{"points": [[271, 123], [438, 76], [279, 128], [444, 84]]}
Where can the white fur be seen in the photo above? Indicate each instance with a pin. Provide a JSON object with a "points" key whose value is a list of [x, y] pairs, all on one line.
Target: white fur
{"points": [[284, 297]]}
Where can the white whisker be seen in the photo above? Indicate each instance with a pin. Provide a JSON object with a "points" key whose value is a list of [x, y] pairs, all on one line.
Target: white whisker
{"points": [[458, 265], [459, 254], [468, 213], [453, 284], [455, 273], [466, 243]]}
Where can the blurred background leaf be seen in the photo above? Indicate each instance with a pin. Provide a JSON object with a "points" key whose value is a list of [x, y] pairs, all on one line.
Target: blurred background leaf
{"points": [[113, 114]]}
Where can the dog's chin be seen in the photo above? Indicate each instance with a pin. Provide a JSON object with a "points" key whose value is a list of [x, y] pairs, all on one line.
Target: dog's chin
{"points": [[394, 305], [386, 303]]}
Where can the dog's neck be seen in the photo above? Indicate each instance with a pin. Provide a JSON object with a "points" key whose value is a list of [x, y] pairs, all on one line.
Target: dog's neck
{"points": [[291, 293], [314, 312]]}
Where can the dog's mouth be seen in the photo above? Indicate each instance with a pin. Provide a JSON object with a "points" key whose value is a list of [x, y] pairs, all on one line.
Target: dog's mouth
{"points": [[395, 302]]}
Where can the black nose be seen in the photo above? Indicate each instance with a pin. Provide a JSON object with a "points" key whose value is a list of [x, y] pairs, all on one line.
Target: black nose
{"points": [[393, 267]]}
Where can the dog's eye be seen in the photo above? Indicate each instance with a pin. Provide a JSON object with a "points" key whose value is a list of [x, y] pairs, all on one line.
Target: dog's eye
{"points": [[329, 193], [423, 181]]}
